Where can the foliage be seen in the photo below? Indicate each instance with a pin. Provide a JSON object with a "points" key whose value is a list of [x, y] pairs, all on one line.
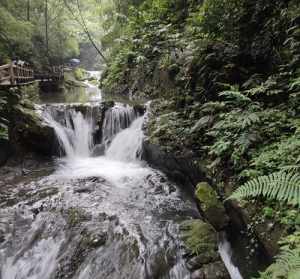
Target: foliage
{"points": [[79, 74], [218, 18], [282, 186], [15, 36], [287, 263]]}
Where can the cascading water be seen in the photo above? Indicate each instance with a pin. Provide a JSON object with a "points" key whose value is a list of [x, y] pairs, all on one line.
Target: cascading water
{"points": [[101, 217], [74, 134], [116, 119], [226, 255], [127, 144]]}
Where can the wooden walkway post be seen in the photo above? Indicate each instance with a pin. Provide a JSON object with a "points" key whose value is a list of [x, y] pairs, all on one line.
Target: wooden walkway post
{"points": [[12, 74]]}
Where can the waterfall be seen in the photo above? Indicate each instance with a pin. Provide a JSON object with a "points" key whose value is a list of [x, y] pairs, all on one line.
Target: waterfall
{"points": [[74, 133], [127, 145], [112, 214], [116, 119], [226, 255]]}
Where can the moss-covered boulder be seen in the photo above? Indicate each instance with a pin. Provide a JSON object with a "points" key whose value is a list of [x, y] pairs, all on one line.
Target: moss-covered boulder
{"points": [[211, 206], [28, 132], [201, 241]]}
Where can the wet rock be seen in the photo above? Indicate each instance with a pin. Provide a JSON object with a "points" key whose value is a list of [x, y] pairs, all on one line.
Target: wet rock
{"points": [[211, 271], [205, 258], [28, 132], [179, 169], [84, 189], [99, 150], [201, 242], [139, 109], [211, 206], [5, 151], [98, 239]]}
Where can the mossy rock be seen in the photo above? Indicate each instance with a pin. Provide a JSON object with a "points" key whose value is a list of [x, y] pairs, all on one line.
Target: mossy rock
{"points": [[199, 237], [28, 131], [211, 206]]}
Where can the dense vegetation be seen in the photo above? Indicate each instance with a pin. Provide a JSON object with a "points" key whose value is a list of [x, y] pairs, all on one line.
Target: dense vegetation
{"points": [[225, 76], [50, 32], [224, 80]]}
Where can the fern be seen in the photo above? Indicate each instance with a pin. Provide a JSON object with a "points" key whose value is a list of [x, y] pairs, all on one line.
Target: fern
{"points": [[282, 186], [295, 84], [287, 265], [249, 119], [236, 96]]}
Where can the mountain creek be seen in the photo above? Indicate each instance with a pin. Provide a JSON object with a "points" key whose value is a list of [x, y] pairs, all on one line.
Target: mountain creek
{"points": [[98, 209]]}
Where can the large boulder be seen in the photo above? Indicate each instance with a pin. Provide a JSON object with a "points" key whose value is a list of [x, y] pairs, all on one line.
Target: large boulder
{"points": [[212, 208], [28, 132], [201, 242]]}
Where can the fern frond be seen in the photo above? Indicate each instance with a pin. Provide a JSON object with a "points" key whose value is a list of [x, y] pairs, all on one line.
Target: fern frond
{"points": [[287, 265], [281, 186], [294, 84], [235, 96]]}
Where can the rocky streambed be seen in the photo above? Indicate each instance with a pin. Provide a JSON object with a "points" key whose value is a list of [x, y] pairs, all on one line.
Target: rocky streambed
{"points": [[97, 210]]}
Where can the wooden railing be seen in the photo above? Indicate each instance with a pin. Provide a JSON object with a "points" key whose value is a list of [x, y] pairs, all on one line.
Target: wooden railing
{"points": [[11, 74], [54, 74]]}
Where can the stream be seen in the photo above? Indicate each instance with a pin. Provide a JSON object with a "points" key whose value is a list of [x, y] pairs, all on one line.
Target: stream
{"points": [[97, 215]]}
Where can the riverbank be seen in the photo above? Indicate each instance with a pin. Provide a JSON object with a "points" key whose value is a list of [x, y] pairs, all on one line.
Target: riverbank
{"points": [[224, 79]]}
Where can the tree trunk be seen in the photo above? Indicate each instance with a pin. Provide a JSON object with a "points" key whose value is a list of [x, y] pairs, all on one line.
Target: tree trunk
{"points": [[28, 10], [46, 29]]}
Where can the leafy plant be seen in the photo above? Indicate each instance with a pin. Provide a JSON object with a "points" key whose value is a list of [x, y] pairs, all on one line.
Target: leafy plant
{"points": [[295, 84], [282, 186], [287, 263], [235, 96]]}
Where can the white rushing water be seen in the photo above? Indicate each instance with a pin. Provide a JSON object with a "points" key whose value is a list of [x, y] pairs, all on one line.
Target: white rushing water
{"points": [[226, 255], [75, 135], [127, 144], [117, 119]]}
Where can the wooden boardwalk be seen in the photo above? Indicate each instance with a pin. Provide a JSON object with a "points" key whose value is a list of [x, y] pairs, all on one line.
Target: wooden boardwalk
{"points": [[15, 75]]}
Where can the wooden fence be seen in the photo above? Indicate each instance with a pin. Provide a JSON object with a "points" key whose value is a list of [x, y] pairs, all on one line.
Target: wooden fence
{"points": [[15, 75], [11, 74]]}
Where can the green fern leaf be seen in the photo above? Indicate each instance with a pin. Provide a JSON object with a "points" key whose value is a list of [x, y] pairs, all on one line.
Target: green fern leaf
{"points": [[235, 96], [281, 186], [287, 265]]}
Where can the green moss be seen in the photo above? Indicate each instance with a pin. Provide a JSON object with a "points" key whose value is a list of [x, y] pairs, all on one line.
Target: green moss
{"points": [[199, 237], [211, 206], [207, 196]]}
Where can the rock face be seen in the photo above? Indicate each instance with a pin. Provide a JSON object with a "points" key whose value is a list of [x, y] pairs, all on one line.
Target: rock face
{"points": [[29, 133], [211, 206], [179, 169], [5, 151]]}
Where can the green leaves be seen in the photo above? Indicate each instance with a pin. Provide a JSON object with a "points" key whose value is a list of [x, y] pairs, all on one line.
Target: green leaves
{"points": [[295, 84], [235, 96], [287, 265], [281, 186]]}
